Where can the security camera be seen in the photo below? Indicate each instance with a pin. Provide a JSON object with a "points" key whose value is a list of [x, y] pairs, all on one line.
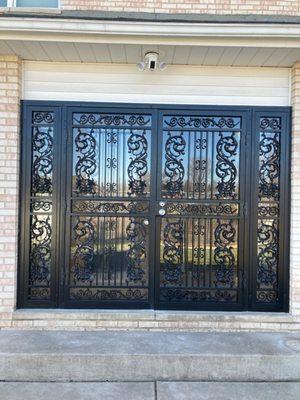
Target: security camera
{"points": [[151, 60]]}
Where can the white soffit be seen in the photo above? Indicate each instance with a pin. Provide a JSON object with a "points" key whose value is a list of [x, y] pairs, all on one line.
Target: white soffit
{"points": [[180, 84], [131, 54], [230, 44]]}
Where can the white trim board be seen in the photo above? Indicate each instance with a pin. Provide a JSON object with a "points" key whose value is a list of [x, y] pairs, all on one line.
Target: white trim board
{"points": [[179, 84]]}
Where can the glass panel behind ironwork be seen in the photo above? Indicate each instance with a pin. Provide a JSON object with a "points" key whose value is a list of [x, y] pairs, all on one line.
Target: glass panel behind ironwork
{"points": [[111, 155], [201, 157], [199, 256], [109, 258], [269, 142], [41, 203]]}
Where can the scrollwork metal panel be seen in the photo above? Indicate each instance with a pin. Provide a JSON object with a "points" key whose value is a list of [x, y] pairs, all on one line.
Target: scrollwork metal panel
{"points": [[111, 155], [41, 206], [109, 259], [201, 166], [200, 157], [268, 236]]}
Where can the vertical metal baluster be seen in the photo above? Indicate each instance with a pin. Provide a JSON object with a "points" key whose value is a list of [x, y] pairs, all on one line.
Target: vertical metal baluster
{"points": [[193, 261], [104, 164], [124, 151], [188, 165], [98, 164], [98, 251], [205, 251], [122, 251], [117, 168], [115, 251], [186, 248], [111, 163], [194, 163], [103, 248], [206, 172], [211, 251], [199, 269], [212, 165]]}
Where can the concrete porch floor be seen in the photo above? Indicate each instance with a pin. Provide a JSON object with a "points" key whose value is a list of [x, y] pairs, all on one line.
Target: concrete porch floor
{"points": [[150, 391], [124, 365]]}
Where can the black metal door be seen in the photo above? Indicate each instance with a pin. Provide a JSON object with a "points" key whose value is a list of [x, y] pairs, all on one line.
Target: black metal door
{"points": [[148, 206], [201, 203]]}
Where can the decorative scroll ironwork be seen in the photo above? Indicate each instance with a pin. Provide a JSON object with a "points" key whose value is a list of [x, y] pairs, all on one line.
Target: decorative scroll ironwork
{"points": [[202, 122], [204, 295], [174, 169], [200, 209], [269, 151], [112, 154], [138, 166], [43, 117], [270, 123], [109, 294], [225, 235], [267, 242], [173, 252], [41, 206], [108, 120], [225, 168], [40, 253], [268, 209], [136, 255], [42, 160], [200, 172], [42, 167], [112, 208], [84, 241], [86, 165], [108, 207]]}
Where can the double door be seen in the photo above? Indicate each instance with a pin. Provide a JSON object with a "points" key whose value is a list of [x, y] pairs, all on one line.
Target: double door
{"points": [[148, 206]]}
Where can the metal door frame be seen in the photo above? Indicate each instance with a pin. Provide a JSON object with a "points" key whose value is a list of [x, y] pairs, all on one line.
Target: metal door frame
{"points": [[60, 178]]}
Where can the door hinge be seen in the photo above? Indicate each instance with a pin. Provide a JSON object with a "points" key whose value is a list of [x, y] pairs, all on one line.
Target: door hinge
{"points": [[245, 209]]}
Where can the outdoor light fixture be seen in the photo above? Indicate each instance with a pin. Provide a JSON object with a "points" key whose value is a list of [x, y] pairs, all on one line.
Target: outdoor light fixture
{"points": [[151, 62]]}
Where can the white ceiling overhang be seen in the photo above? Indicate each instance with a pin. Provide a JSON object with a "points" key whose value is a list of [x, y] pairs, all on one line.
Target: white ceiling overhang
{"points": [[236, 44]]}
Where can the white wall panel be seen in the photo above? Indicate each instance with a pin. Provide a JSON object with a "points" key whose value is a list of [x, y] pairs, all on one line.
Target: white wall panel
{"points": [[176, 85]]}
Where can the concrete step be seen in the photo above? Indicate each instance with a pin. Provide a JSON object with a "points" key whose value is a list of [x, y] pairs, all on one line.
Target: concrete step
{"points": [[63, 356], [150, 391]]}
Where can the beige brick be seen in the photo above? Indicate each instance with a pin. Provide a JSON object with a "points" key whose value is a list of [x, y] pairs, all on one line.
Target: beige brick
{"points": [[288, 7]]}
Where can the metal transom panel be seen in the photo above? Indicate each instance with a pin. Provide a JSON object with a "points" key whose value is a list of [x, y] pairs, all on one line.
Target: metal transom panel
{"points": [[154, 206]]}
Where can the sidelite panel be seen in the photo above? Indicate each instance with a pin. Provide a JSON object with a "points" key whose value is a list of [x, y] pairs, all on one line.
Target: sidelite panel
{"points": [[201, 208], [40, 254], [270, 131], [39, 205], [109, 200]]}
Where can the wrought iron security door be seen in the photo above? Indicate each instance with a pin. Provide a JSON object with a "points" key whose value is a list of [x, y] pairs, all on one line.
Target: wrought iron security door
{"points": [[202, 208], [147, 206]]}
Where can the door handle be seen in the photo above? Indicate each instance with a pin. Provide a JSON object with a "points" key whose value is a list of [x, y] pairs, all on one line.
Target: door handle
{"points": [[161, 211], [146, 222]]}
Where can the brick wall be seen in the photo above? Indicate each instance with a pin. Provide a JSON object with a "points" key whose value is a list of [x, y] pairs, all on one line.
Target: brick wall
{"points": [[295, 196], [10, 89], [282, 7]]}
